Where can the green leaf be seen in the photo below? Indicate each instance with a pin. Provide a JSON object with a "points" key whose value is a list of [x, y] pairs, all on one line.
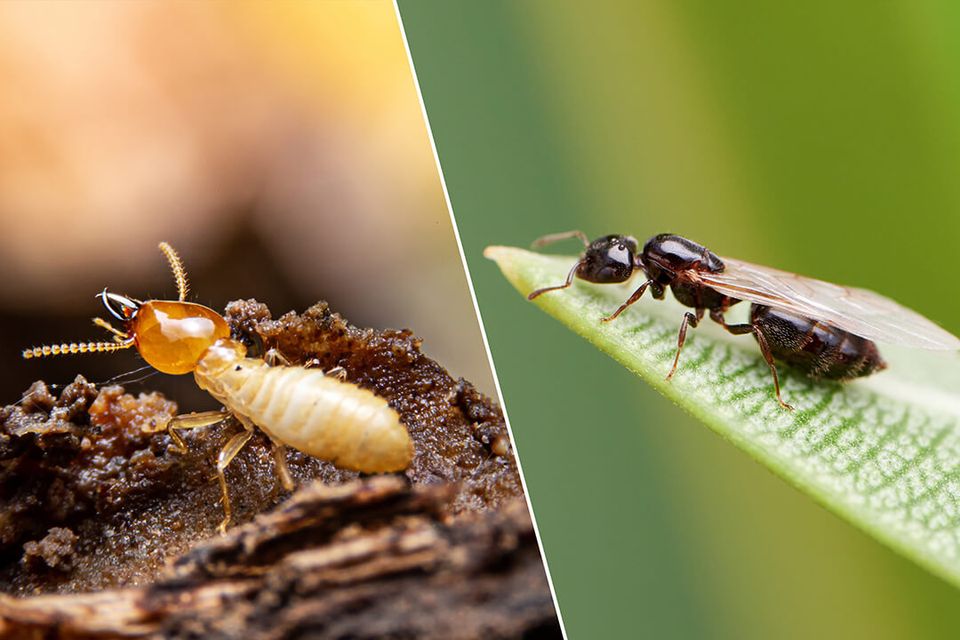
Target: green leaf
{"points": [[882, 452]]}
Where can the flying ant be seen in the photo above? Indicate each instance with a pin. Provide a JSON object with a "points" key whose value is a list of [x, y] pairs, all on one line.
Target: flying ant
{"points": [[822, 329]]}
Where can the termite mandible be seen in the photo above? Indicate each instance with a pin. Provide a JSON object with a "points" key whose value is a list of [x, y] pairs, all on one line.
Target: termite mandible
{"points": [[320, 414]]}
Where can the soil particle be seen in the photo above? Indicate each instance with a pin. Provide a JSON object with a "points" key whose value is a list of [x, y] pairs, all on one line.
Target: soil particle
{"points": [[54, 551]]}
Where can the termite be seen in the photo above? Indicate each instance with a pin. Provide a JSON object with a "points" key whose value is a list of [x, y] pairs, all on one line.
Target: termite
{"points": [[318, 413]]}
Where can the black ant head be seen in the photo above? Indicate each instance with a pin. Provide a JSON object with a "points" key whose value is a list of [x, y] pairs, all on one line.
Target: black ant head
{"points": [[609, 259], [120, 307]]}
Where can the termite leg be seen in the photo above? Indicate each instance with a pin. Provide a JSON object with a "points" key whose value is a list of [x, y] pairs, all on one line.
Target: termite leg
{"points": [[279, 456], [227, 454], [283, 472], [556, 237], [567, 283], [191, 421], [315, 362], [633, 298], [740, 329], [337, 372], [693, 321], [233, 446], [273, 357]]}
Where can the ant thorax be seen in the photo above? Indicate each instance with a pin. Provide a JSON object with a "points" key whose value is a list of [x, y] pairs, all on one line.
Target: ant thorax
{"points": [[667, 255]]}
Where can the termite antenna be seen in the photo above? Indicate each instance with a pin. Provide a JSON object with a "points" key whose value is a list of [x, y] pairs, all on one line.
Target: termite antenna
{"points": [[179, 273], [74, 347]]}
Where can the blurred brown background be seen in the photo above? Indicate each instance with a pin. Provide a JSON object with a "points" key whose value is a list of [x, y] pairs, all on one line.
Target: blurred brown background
{"points": [[279, 147]]}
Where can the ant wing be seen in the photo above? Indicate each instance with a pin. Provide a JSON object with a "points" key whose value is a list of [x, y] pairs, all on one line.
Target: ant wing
{"points": [[861, 312]]}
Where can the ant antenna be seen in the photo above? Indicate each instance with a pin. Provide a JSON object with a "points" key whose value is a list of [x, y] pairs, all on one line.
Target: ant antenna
{"points": [[557, 237], [179, 273], [567, 282], [75, 347]]}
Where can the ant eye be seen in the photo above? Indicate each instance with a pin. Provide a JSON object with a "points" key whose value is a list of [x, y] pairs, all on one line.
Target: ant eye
{"points": [[618, 255]]}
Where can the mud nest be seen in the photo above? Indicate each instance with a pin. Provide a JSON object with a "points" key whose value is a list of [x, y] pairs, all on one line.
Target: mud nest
{"points": [[95, 498]]}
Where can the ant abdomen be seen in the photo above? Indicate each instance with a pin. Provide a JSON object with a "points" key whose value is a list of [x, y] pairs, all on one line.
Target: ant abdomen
{"points": [[818, 349]]}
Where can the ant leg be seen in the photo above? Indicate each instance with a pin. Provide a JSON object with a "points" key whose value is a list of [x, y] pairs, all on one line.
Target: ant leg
{"points": [[688, 319], [633, 298], [556, 237], [273, 357], [765, 350], [227, 454], [191, 421], [740, 329], [569, 281]]}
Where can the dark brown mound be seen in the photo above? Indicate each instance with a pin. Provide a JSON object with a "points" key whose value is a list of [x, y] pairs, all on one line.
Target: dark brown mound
{"points": [[93, 496]]}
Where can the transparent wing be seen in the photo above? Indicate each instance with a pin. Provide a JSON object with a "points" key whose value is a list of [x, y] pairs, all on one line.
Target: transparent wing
{"points": [[861, 312]]}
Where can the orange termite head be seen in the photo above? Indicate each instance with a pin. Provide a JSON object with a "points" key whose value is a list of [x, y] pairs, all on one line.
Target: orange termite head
{"points": [[171, 335]]}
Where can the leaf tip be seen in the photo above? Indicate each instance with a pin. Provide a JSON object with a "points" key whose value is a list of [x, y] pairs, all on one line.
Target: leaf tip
{"points": [[497, 252]]}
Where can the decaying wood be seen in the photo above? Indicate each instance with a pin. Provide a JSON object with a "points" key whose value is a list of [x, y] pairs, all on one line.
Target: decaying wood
{"points": [[369, 559]]}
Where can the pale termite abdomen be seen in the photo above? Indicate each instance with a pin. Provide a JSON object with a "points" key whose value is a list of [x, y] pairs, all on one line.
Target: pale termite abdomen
{"points": [[314, 413]]}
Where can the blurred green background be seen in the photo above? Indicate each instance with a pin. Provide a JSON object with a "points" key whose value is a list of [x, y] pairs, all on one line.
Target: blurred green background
{"points": [[822, 138]]}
